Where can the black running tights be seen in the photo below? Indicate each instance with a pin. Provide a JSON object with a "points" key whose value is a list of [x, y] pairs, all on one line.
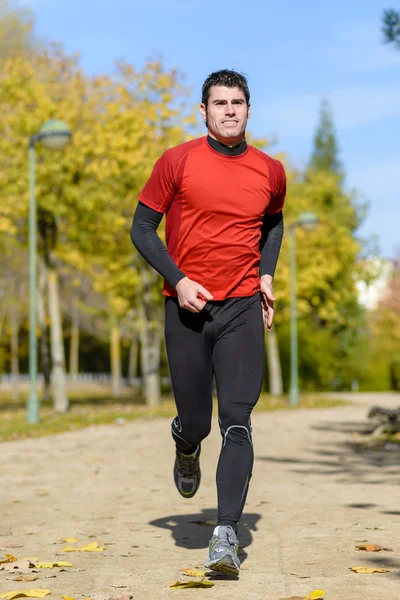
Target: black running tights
{"points": [[225, 340]]}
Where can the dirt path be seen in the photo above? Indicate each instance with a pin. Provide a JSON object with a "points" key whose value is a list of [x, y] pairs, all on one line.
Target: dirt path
{"points": [[313, 498]]}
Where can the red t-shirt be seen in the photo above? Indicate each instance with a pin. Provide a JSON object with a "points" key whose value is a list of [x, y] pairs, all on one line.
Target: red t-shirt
{"points": [[214, 207]]}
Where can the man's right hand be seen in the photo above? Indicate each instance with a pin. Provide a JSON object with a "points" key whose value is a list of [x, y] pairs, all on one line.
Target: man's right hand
{"points": [[188, 295]]}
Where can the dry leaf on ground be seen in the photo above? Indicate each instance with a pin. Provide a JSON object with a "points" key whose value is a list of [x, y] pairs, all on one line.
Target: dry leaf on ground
{"points": [[34, 593], [69, 540], [26, 578], [92, 547], [368, 570], [51, 565], [183, 585], [9, 559], [315, 595], [20, 565], [67, 598], [373, 548], [193, 573]]}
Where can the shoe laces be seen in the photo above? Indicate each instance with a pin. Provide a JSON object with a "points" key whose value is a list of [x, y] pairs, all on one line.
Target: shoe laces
{"points": [[187, 465], [226, 540]]}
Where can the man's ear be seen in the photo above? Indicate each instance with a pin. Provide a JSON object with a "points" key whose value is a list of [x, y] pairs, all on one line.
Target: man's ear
{"points": [[203, 111], [248, 111]]}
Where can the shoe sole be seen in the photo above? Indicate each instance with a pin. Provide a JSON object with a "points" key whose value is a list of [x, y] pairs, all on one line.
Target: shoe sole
{"points": [[187, 495], [224, 565]]}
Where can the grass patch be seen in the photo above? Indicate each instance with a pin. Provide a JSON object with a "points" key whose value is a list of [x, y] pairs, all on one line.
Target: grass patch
{"points": [[96, 406], [269, 403]]}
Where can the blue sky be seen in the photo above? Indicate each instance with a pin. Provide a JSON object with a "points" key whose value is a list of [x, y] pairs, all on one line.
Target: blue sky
{"points": [[294, 53]]}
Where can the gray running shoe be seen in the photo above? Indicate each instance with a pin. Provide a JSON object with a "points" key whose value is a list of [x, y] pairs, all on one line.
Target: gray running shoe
{"points": [[222, 555], [187, 474]]}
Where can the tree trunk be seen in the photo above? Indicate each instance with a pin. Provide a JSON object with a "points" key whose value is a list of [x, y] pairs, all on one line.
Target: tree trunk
{"points": [[133, 354], [150, 339], [115, 359], [74, 348], [58, 378], [44, 340], [3, 315], [274, 364], [150, 345], [14, 326]]}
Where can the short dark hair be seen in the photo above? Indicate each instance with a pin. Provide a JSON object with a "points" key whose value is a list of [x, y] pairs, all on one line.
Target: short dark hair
{"points": [[225, 78]]}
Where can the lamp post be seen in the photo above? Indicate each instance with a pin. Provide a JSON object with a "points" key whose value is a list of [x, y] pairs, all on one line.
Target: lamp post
{"points": [[55, 135], [307, 220]]}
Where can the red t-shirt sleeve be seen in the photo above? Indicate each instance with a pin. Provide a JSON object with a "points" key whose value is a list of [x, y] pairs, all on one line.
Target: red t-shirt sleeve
{"points": [[160, 190], [278, 198]]}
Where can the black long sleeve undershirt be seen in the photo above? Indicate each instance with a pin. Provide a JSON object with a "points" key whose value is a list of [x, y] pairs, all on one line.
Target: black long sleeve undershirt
{"points": [[270, 243], [145, 238]]}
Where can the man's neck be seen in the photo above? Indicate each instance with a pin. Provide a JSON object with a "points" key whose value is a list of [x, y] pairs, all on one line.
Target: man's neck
{"points": [[227, 150]]}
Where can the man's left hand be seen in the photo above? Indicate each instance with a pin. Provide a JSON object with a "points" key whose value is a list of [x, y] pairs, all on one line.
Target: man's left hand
{"points": [[267, 301]]}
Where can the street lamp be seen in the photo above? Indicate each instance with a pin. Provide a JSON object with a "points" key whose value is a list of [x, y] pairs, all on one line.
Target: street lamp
{"points": [[55, 135], [307, 220]]}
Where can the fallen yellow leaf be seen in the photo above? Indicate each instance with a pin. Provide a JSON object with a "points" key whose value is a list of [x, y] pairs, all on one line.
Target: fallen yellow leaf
{"points": [[9, 559], [193, 573], [368, 570], [68, 540], [92, 547], [34, 593], [373, 548], [67, 598], [316, 595], [25, 578], [183, 585], [51, 565]]}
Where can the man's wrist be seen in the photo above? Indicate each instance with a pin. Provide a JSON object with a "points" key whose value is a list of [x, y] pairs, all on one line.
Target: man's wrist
{"points": [[178, 282], [268, 279]]}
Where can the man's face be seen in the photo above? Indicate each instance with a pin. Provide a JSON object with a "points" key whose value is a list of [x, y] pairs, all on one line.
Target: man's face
{"points": [[226, 114]]}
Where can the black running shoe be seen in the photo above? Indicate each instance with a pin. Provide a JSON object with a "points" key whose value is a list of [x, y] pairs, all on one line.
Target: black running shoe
{"points": [[187, 473]]}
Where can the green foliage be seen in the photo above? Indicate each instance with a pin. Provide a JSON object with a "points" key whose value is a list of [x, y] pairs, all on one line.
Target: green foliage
{"points": [[391, 27], [330, 320], [325, 153], [384, 332], [16, 29], [87, 193]]}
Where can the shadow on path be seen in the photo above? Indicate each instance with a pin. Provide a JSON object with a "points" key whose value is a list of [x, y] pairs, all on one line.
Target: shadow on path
{"points": [[356, 458], [193, 531]]}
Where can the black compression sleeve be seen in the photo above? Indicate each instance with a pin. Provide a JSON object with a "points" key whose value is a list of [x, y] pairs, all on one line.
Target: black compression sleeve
{"points": [[270, 244], [144, 237]]}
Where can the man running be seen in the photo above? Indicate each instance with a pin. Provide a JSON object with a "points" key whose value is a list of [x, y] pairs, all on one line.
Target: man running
{"points": [[223, 202]]}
